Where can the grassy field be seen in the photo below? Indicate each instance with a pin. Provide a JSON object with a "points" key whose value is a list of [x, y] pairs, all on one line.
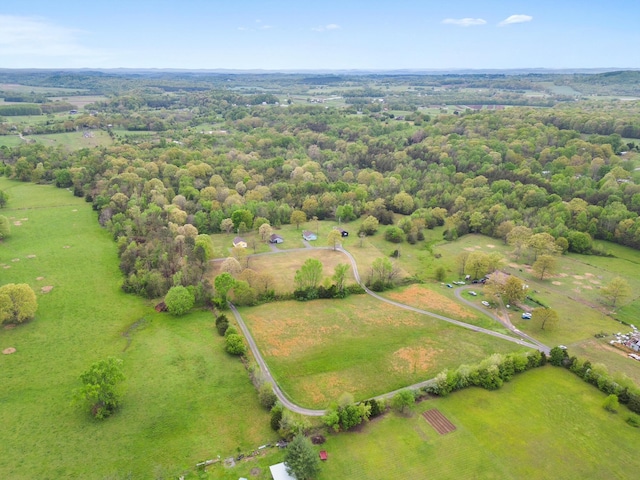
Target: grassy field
{"points": [[73, 140], [321, 349], [177, 409], [543, 424]]}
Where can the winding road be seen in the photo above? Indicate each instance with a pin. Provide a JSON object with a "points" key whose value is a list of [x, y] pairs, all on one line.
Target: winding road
{"points": [[524, 339]]}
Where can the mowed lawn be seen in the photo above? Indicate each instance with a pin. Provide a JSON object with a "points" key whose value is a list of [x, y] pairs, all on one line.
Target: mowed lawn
{"points": [[185, 399], [318, 350], [544, 424]]}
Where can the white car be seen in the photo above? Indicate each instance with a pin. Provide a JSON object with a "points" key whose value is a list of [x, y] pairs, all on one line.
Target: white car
{"points": [[526, 316], [485, 303], [473, 293]]}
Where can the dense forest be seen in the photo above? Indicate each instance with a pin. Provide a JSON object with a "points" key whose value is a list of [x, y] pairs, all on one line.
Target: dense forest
{"points": [[252, 155]]}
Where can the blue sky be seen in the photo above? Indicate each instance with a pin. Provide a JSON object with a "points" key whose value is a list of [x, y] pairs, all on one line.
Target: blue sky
{"points": [[327, 34]]}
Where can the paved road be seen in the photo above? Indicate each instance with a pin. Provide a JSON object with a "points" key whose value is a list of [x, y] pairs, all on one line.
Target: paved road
{"points": [[316, 413]]}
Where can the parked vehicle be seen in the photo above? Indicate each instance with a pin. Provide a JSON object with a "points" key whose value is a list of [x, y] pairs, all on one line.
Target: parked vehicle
{"points": [[485, 303], [473, 293], [526, 316]]}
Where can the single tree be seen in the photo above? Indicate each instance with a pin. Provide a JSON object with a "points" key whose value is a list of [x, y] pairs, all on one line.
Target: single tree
{"points": [[545, 264], [265, 231], [4, 197], [18, 303], [403, 400], [340, 276], [100, 387], [309, 275], [543, 244], [267, 396], [179, 300], [514, 290], [518, 237], [440, 274], [369, 226], [544, 318], [222, 284], [298, 217], [617, 290], [333, 238], [461, 261], [226, 225], [231, 265], [301, 460], [477, 264]]}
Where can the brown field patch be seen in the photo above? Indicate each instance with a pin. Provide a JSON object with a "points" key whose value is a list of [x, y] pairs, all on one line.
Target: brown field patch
{"points": [[556, 283], [8, 351], [428, 299], [15, 259], [17, 223], [31, 256], [438, 421], [595, 282], [40, 278], [587, 287], [578, 277], [489, 245], [563, 275], [514, 265], [46, 289], [66, 246], [577, 283], [413, 359], [470, 249], [325, 387], [6, 267], [588, 275]]}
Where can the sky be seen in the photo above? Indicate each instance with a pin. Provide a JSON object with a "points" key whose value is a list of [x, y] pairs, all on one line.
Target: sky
{"points": [[289, 35]]}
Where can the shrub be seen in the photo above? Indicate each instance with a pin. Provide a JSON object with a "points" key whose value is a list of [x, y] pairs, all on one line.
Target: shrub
{"points": [[267, 396], [633, 420], [611, 404], [276, 416], [235, 345], [179, 300], [222, 323], [231, 330], [394, 235]]}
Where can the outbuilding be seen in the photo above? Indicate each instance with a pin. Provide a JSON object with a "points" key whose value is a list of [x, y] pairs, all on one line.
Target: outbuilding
{"points": [[309, 236], [276, 239], [279, 472]]}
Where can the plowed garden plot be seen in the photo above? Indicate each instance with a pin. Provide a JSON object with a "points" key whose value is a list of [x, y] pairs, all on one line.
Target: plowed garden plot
{"points": [[439, 421]]}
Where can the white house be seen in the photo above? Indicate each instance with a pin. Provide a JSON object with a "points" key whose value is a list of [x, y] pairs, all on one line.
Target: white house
{"points": [[279, 472], [309, 236]]}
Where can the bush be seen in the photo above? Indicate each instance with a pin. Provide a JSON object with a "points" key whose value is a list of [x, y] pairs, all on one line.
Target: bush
{"points": [[235, 345], [633, 420], [611, 404], [276, 417], [179, 300], [267, 396], [222, 323], [354, 289], [394, 235], [231, 330]]}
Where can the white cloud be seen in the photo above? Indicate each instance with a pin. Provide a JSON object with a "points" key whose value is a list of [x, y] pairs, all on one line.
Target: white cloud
{"points": [[21, 36], [266, 27], [322, 28], [515, 19], [464, 22]]}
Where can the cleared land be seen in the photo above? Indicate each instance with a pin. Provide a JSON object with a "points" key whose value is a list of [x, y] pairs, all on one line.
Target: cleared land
{"points": [[185, 401], [545, 423], [318, 350]]}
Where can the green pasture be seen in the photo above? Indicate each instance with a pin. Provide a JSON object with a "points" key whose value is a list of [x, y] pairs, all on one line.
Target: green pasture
{"points": [[73, 140], [320, 349], [10, 141], [545, 423], [185, 400]]}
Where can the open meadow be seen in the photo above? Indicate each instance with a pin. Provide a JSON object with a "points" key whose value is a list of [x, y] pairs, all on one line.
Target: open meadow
{"points": [[320, 349], [185, 399], [545, 423]]}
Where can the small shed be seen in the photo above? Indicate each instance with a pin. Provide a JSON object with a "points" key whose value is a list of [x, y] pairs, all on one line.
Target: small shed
{"points": [[276, 239], [309, 236], [239, 242], [279, 472]]}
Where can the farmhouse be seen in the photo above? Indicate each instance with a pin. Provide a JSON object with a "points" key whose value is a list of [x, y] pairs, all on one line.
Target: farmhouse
{"points": [[239, 242], [309, 236], [276, 239]]}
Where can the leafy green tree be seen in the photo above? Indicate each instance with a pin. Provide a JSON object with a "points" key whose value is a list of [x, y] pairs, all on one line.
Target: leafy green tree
{"points": [[222, 284], [461, 259], [383, 271], [243, 294], [394, 234], [514, 290], [557, 356], [403, 400], [235, 345], [617, 290], [334, 238], [309, 275], [226, 225], [403, 203], [179, 300], [100, 387], [475, 221], [301, 460], [369, 226], [297, 217], [543, 244], [265, 231], [580, 242], [276, 416], [4, 197], [204, 245], [267, 396], [611, 403], [544, 318], [5, 227], [545, 264], [18, 303], [518, 237], [477, 264], [340, 275], [242, 216]]}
